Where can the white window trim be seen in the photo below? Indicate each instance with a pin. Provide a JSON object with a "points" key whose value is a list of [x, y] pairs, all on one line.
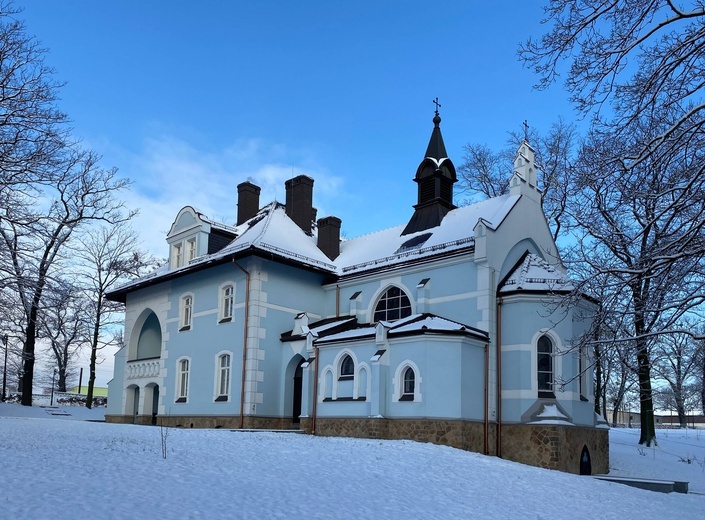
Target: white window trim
{"points": [[374, 300], [185, 324], [222, 317], [178, 393], [191, 249], [557, 360], [358, 377], [177, 255], [398, 381], [217, 379], [322, 388]]}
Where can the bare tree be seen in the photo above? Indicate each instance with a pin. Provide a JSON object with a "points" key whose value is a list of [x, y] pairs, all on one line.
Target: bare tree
{"points": [[636, 68], [64, 324], [49, 186], [639, 228], [107, 255], [676, 359], [81, 192], [486, 173], [629, 55]]}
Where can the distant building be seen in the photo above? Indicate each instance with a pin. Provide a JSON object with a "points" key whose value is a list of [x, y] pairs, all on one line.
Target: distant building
{"points": [[431, 330]]}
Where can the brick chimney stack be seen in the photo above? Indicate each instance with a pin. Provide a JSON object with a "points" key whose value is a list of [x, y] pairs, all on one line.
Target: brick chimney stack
{"points": [[247, 201], [299, 201], [329, 236]]}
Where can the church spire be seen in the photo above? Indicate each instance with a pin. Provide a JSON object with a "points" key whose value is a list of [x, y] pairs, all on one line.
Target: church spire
{"points": [[436, 148], [435, 177]]}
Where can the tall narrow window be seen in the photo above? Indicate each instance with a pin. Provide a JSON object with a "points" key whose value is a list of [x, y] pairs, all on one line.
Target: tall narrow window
{"points": [[544, 365], [393, 305], [226, 305], [347, 368], [177, 255], [182, 381], [190, 249], [186, 312], [223, 377], [409, 385]]}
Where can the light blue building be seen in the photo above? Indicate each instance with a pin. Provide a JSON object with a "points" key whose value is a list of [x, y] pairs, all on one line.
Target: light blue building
{"points": [[451, 328]]}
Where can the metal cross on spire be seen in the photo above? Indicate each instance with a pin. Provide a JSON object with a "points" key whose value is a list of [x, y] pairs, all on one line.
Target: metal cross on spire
{"points": [[438, 105], [526, 130]]}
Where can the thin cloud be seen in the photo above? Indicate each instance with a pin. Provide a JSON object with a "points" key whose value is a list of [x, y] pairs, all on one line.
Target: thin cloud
{"points": [[169, 173]]}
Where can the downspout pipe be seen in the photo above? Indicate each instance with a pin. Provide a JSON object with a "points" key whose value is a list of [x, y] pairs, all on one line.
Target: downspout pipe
{"points": [[487, 398], [499, 377], [244, 343], [315, 393]]}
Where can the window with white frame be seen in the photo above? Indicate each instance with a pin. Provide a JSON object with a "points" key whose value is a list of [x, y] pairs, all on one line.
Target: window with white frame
{"points": [[186, 312], [227, 294], [177, 255], [190, 249], [347, 368], [223, 379], [408, 384], [182, 381], [544, 366], [393, 305]]}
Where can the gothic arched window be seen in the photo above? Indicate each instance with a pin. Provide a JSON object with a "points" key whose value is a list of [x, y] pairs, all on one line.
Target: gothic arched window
{"points": [[544, 366]]}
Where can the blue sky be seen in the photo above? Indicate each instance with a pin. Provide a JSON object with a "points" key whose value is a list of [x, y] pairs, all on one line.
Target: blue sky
{"points": [[188, 99]]}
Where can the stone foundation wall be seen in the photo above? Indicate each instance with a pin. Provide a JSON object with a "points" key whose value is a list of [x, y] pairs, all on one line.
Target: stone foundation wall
{"points": [[464, 435], [231, 422], [556, 447]]}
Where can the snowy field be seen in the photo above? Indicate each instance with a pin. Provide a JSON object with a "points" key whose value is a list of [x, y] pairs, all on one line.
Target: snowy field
{"points": [[53, 468]]}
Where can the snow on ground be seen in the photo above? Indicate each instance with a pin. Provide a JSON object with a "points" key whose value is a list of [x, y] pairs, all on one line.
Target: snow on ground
{"points": [[56, 469]]}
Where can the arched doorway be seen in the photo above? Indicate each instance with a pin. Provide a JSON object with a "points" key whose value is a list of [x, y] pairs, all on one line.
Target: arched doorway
{"points": [[585, 464], [151, 401], [135, 400], [297, 389]]}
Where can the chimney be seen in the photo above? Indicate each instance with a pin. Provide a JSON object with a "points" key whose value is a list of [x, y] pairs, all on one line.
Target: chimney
{"points": [[299, 201], [247, 201], [329, 236]]}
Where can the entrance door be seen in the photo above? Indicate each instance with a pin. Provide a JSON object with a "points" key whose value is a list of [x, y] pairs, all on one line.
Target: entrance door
{"points": [[298, 385], [136, 405], [155, 403]]}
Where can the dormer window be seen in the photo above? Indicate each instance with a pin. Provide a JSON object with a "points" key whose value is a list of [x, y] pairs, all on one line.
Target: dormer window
{"points": [[190, 249], [177, 255]]}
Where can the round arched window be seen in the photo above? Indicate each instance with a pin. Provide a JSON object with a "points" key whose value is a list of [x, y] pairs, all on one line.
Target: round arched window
{"points": [[393, 305]]}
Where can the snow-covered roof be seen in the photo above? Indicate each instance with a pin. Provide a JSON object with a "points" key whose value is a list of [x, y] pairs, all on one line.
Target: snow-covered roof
{"points": [[414, 324], [533, 273], [271, 230], [456, 231]]}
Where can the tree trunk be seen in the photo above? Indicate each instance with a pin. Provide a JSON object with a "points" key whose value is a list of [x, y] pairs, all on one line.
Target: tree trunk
{"points": [[648, 427], [598, 380], [94, 353], [28, 357]]}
